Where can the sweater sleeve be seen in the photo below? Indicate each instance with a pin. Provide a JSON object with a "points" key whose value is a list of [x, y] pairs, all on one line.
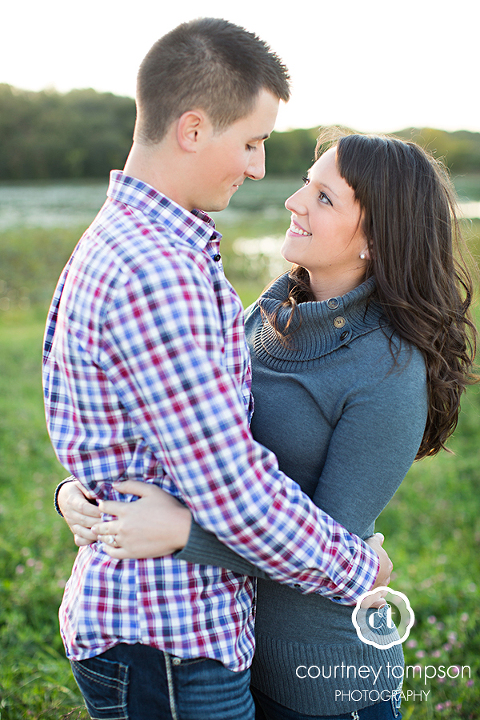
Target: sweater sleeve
{"points": [[375, 442], [205, 548]]}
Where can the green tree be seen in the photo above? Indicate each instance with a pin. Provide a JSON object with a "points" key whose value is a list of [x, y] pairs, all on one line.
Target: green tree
{"points": [[84, 134], [48, 135]]}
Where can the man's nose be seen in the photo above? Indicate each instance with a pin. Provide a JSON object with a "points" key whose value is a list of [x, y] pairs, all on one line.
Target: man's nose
{"points": [[256, 168]]}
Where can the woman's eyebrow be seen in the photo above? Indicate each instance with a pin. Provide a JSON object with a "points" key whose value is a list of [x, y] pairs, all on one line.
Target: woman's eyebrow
{"points": [[330, 190]]}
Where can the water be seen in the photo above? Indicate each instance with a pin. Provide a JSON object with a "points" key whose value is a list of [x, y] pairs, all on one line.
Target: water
{"points": [[267, 247], [470, 210], [49, 205], [75, 204]]}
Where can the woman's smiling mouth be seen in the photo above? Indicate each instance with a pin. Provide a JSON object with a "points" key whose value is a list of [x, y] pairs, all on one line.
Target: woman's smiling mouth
{"points": [[295, 229]]}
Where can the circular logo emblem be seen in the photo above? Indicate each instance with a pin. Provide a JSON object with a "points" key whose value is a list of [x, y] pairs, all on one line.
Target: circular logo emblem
{"points": [[386, 626]]}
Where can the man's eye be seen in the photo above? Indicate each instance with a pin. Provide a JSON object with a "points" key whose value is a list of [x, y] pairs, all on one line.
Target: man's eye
{"points": [[324, 199]]}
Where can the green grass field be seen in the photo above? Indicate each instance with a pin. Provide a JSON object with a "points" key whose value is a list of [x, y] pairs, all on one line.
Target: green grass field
{"points": [[432, 526]]}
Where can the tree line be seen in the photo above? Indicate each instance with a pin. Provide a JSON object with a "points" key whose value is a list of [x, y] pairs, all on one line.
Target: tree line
{"points": [[84, 134]]}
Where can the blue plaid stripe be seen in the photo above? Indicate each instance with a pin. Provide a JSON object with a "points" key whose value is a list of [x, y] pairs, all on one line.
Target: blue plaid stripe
{"points": [[147, 376]]}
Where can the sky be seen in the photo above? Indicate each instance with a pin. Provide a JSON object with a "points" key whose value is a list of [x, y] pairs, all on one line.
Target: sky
{"points": [[374, 66]]}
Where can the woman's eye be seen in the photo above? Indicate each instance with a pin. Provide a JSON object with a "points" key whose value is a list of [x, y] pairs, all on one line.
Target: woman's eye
{"points": [[251, 147], [321, 196], [324, 199]]}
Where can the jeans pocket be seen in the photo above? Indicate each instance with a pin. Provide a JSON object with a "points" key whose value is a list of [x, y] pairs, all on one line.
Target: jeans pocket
{"points": [[104, 686]]}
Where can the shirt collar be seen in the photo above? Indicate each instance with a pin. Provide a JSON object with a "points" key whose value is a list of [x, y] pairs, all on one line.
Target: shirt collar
{"points": [[196, 227]]}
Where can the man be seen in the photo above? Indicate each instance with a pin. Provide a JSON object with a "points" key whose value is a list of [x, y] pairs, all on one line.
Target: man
{"points": [[147, 377]]}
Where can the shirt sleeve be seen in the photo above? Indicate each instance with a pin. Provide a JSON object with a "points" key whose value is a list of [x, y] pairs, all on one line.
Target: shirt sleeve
{"points": [[205, 548], [371, 449], [163, 349]]}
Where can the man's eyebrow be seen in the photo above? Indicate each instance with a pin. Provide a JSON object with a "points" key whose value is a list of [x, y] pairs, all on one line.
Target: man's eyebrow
{"points": [[259, 137]]}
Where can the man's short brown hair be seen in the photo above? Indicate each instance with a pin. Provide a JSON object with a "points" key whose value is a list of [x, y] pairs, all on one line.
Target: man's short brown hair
{"points": [[207, 64]]}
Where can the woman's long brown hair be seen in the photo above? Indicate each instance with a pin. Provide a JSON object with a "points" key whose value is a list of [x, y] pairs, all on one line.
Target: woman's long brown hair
{"points": [[415, 246]]}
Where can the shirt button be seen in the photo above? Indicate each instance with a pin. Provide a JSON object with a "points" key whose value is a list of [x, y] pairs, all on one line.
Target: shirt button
{"points": [[339, 321], [333, 303], [217, 257]]}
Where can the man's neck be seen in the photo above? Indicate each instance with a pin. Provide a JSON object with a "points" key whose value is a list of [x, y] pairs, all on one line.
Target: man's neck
{"points": [[157, 166]]}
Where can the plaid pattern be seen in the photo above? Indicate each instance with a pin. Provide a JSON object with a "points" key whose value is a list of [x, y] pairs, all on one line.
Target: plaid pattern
{"points": [[147, 377]]}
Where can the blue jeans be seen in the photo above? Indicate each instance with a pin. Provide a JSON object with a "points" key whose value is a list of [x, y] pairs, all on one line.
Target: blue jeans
{"points": [[268, 709], [136, 682]]}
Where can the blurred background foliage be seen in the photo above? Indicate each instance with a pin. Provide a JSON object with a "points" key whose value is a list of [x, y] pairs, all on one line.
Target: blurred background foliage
{"points": [[47, 135], [84, 134]]}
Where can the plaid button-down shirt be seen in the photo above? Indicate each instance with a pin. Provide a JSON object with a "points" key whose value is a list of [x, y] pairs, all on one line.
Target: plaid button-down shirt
{"points": [[147, 377]]}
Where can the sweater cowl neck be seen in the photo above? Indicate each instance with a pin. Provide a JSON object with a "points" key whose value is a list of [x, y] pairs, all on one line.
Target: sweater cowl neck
{"points": [[317, 328]]}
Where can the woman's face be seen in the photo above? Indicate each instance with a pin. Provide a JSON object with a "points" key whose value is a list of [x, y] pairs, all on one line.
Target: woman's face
{"points": [[325, 234]]}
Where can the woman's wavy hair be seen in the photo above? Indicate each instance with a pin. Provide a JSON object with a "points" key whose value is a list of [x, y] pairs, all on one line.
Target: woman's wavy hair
{"points": [[415, 245]]}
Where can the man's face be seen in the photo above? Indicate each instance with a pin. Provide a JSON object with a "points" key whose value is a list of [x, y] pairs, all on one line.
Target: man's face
{"points": [[228, 157]]}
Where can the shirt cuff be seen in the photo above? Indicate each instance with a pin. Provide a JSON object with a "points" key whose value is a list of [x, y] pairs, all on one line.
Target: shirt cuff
{"points": [[359, 579]]}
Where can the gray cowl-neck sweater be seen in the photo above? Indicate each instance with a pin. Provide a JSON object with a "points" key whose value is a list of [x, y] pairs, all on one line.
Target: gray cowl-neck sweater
{"points": [[346, 424]]}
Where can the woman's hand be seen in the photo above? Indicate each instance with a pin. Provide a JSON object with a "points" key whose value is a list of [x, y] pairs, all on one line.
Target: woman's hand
{"points": [[153, 526], [79, 513]]}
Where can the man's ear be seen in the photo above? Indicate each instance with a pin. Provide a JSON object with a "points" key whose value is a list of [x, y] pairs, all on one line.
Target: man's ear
{"points": [[191, 128]]}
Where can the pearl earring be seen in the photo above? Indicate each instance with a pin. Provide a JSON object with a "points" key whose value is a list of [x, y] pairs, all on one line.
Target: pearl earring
{"points": [[362, 256]]}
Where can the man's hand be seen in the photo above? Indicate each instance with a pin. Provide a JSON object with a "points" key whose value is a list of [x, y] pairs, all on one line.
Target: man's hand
{"points": [[384, 573], [79, 513], [153, 526]]}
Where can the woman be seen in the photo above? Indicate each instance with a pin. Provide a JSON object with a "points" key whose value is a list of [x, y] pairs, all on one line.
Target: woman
{"points": [[359, 356]]}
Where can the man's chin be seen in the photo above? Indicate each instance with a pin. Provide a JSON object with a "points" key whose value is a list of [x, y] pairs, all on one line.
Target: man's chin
{"points": [[217, 206]]}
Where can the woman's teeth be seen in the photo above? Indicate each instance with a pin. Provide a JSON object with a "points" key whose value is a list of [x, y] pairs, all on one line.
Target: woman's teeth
{"points": [[298, 230]]}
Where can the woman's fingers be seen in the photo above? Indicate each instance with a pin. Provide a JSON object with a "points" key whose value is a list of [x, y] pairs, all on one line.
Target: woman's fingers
{"points": [[129, 487], [82, 537], [72, 499], [156, 524], [109, 527], [108, 533], [134, 487], [78, 512], [152, 493], [118, 553]]}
